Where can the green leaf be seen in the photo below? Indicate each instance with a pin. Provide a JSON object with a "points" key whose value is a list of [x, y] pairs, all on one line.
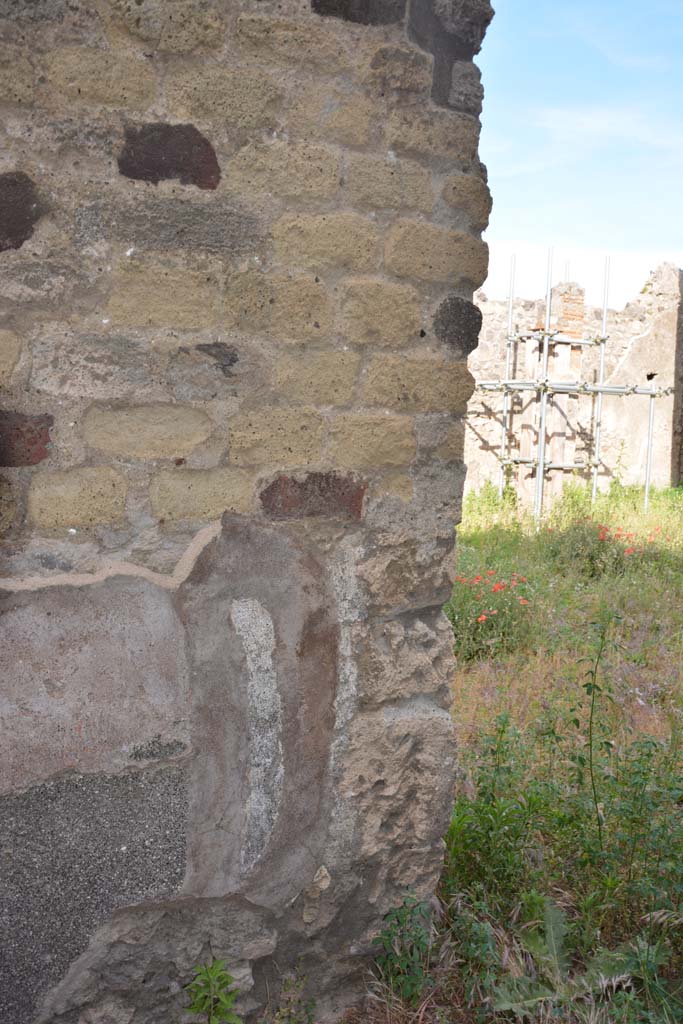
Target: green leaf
{"points": [[556, 928]]}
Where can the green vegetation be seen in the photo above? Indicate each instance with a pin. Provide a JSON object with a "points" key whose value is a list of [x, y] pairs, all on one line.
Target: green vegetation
{"points": [[212, 994], [406, 944], [562, 890], [294, 1007]]}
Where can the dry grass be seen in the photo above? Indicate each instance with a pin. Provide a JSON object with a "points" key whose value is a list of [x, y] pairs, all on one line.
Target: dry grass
{"points": [[529, 685], [644, 594]]}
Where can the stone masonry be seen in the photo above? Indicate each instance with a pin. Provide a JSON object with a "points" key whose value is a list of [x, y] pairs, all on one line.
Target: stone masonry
{"points": [[644, 347], [238, 245]]}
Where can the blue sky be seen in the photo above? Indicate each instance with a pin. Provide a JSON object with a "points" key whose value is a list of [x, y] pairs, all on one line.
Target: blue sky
{"points": [[583, 139]]}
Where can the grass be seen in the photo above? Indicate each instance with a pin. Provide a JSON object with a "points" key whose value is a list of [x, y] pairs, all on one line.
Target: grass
{"points": [[562, 892], [581, 566]]}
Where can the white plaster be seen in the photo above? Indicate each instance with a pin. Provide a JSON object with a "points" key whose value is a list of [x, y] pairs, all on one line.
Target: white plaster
{"points": [[350, 606], [255, 629]]}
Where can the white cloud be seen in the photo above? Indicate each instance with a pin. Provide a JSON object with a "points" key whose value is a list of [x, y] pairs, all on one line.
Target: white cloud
{"points": [[565, 135], [629, 270], [587, 126], [616, 52]]}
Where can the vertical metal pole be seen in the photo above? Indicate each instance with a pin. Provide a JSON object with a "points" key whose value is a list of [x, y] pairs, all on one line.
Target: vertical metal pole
{"points": [[540, 462], [506, 391], [650, 439], [601, 381]]}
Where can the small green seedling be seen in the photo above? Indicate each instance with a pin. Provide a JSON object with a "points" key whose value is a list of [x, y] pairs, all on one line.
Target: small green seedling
{"points": [[404, 950], [212, 993]]}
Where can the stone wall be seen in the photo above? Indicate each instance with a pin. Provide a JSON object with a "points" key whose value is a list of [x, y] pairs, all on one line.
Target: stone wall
{"points": [[644, 338], [238, 244]]}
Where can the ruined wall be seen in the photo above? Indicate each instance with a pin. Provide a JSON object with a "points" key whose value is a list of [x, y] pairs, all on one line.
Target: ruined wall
{"points": [[646, 337], [238, 244]]}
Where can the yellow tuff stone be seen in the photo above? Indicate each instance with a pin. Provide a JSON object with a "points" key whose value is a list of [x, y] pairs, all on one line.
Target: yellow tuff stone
{"points": [[417, 385], [379, 312], [471, 195], [292, 307], [275, 436], [10, 350], [318, 241], [430, 253], [100, 77], [147, 431], [151, 295], [434, 134], [237, 99], [364, 440], [200, 493], [318, 378], [321, 112], [77, 497], [300, 169], [378, 182]]}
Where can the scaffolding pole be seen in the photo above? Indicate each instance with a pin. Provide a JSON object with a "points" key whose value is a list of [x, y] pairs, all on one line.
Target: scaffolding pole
{"points": [[540, 469], [508, 366], [601, 381], [650, 440], [545, 389]]}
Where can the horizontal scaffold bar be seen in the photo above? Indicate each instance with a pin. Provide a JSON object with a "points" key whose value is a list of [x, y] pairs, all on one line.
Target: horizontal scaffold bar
{"points": [[518, 461], [557, 339], [572, 388]]}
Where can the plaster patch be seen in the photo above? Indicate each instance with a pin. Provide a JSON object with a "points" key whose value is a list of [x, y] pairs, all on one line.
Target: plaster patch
{"points": [[169, 581], [350, 604], [254, 627]]}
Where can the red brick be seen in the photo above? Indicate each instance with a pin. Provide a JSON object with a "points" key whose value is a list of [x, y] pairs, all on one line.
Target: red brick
{"points": [[317, 494], [24, 439]]}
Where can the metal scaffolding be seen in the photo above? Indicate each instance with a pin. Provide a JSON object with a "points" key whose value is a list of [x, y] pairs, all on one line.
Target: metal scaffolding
{"points": [[545, 389]]}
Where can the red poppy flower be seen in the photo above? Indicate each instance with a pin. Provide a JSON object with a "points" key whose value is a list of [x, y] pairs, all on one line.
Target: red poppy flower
{"points": [[482, 618]]}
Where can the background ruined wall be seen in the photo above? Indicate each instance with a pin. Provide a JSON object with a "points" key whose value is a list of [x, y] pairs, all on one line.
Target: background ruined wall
{"points": [[645, 337], [238, 244]]}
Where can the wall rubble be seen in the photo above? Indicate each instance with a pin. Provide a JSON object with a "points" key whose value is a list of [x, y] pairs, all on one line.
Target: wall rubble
{"points": [[238, 246]]}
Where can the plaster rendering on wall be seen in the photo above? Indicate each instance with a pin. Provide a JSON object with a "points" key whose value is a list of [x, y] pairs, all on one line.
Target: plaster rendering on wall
{"points": [[238, 246]]}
